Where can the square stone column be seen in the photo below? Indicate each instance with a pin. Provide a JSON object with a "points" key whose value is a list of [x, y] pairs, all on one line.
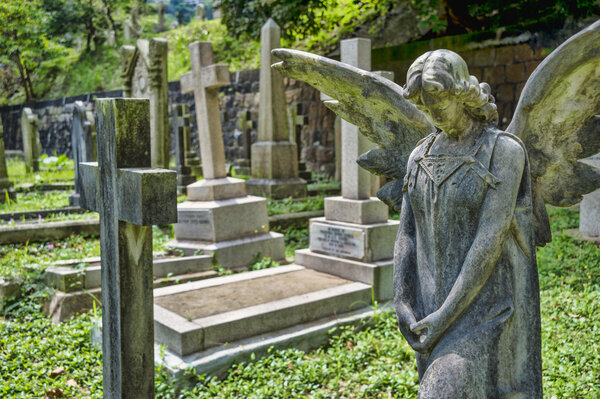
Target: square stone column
{"points": [[274, 156], [355, 239]]}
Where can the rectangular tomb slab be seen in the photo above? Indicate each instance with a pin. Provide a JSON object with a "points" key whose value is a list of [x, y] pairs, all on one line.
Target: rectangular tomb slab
{"points": [[209, 313]]}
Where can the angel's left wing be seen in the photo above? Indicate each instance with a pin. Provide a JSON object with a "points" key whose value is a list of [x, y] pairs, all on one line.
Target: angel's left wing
{"points": [[375, 104], [558, 120]]}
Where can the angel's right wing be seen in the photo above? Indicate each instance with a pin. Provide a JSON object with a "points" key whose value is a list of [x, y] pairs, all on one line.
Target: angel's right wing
{"points": [[375, 104]]}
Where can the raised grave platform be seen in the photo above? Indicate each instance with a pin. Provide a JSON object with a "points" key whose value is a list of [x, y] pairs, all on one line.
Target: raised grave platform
{"points": [[193, 317]]}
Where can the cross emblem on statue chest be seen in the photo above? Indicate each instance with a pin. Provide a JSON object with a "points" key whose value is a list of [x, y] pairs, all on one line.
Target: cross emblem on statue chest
{"points": [[130, 197], [204, 80]]}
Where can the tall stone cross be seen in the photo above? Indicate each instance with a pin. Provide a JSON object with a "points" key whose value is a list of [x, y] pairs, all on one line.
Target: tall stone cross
{"points": [[204, 80], [130, 197], [181, 128]]}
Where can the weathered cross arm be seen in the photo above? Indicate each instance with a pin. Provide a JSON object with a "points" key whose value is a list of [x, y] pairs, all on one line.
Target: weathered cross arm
{"points": [[212, 77], [145, 196]]}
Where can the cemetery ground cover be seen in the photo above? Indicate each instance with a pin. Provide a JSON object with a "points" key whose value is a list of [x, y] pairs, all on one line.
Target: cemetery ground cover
{"points": [[372, 362]]}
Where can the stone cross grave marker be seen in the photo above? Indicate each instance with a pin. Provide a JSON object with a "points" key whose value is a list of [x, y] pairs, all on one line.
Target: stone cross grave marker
{"points": [[6, 190], [298, 120], [160, 26], [200, 12], [130, 197], [204, 80], [181, 127], [83, 143], [274, 156], [32, 148], [244, 132], [144, 74]]}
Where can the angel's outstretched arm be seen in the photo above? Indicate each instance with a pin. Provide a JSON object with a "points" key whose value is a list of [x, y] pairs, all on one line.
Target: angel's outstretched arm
{"points": [[508, 163], [404, 269]]}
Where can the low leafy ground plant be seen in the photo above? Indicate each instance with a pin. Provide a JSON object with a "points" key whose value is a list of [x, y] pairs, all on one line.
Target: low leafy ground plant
{"points": [[55, 170], [372, 362]]}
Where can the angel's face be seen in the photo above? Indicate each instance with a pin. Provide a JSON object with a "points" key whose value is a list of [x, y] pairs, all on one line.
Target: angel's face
{"points": [[443, 111]]}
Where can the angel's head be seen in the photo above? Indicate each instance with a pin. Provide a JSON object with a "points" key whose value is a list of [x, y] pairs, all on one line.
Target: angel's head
{"points": [[439, 84]]}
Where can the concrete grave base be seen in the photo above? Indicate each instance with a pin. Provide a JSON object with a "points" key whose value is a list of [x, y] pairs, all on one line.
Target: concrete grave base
{"points": [[277, 188], [367, 211], [74, 199], [196, 316], [361, 242], [236, 253], [216, 189], [221, 220], [379, 274], [305, 337]]}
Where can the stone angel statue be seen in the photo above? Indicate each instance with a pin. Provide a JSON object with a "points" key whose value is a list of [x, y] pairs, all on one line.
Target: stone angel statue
{"points": [[472, 200]]}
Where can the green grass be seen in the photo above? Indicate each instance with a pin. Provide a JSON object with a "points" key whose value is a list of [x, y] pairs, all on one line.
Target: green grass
{"points": [[375, 362], [36, 200], [290, 205], [62, 172]]}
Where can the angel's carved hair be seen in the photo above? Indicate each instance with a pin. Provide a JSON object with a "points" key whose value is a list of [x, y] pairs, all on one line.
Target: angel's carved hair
{"points": [[443, 73]]}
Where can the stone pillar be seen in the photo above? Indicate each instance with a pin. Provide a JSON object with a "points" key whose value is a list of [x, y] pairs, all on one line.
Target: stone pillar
{"points": [[355, 239], [32, 147], [219, 218], [200, 13], [244, 130], [274, 156], [589, 210], [6, 186], [144, 74], [160, 26]]}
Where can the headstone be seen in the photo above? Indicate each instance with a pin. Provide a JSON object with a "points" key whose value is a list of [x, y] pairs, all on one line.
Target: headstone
{"points": [[337, 132], [32, 147], [131, 29], [298, 120], [130, 197], [216, 9], [160, 26], [180, 18], [219, 217], [244, 130], [83, 143], [274, 157], [355, 239], [589, 209], [200, 13], [181, 128], [6, 190], [144, 74]]}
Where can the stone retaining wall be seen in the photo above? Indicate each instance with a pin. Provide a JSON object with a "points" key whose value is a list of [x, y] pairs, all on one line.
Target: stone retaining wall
{"points": [[503, 63]]}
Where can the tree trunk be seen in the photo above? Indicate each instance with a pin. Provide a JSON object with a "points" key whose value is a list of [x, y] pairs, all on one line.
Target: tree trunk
{"points": [[21, 68]]}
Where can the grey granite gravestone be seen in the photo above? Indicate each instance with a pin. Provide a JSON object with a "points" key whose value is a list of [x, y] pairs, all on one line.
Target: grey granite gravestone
{"points": [[244, 127], [200, 13], [589, 210], [181, 128], [298, 120], [144, 74], [355, 239], [219, 218], [6, 190], [160, 26], [131, 29], [130, 197], [274, 156], [32, 147], [83, 143]]}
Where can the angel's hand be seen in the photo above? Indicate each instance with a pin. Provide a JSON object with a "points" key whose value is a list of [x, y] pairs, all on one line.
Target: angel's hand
{"points": [[428, 331], [405, 319]]}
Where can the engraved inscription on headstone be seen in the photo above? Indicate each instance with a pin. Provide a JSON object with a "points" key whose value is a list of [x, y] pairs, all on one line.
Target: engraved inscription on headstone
{"points": [[193, 217], [337, 240]]}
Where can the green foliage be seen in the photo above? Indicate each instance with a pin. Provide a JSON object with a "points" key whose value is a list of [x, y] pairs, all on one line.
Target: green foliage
{"points": [[260, 263], [47, 174], [291, 205]]}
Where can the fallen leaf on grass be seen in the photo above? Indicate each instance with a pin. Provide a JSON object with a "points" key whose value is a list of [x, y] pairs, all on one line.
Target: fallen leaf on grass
{"points": [[53, 393], [575, 316], [72, 382], [56, 372]]}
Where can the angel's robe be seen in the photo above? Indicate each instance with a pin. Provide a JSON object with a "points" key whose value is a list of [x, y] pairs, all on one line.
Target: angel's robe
{"points": [[492, 350]]}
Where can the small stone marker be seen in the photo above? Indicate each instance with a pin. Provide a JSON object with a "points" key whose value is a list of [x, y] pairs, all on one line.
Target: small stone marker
{"points": [[355, 239], [32, 147], [589, 210], [144, 74], [130, 197], [298, 120], [83, 143], [219, 217], [131, 29], [274, 156], [181, 127], [6, 190], [200, 12], [160, 26], [244, 127]]}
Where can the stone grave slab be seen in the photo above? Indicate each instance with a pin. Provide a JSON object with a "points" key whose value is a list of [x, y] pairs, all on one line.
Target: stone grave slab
{"points": [[83, 143], [196, 316], [6, 186], [32, 147]]}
